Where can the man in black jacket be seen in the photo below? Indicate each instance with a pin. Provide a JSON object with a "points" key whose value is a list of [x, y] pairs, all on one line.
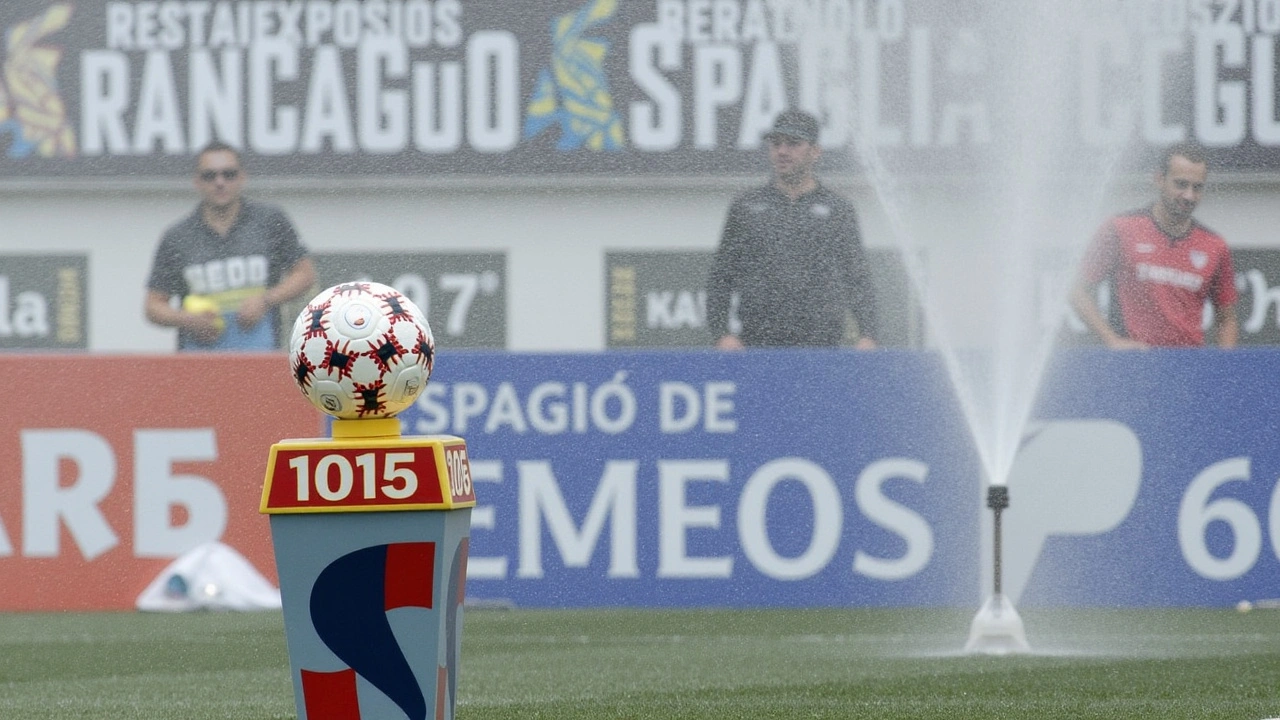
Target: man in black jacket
{"points": [[792, 253]]}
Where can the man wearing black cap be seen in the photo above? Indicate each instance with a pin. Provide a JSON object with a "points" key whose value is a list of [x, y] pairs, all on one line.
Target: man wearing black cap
{"points": [[792, 253]]}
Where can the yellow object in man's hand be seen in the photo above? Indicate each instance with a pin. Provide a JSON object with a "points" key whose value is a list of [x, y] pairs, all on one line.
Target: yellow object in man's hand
{"points": [[202, 304]]}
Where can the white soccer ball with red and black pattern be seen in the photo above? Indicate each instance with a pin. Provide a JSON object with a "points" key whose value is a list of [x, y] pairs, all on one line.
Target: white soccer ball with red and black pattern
{"points": [[361, 350]]}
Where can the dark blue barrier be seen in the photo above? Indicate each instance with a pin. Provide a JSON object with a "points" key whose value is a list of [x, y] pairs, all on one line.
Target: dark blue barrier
{"points": [[1204, 528], [812, 478]]}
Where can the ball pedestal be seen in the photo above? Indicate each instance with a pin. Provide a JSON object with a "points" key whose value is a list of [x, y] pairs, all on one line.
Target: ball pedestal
{"points": [[997, 628], [370, 531]]}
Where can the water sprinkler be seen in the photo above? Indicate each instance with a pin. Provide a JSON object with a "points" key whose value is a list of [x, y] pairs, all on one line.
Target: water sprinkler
{"points": [[997, 628], [998, 501]]}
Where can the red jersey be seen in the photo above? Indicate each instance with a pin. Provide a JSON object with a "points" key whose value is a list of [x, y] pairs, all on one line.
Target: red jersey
{"points": [[1162, 282]]}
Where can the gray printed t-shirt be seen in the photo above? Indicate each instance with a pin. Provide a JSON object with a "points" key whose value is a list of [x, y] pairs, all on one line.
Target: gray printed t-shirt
{"points": [[194, 260]]}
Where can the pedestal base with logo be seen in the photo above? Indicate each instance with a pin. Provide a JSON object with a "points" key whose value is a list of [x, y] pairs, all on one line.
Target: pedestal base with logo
{"points": [[370, 531]]}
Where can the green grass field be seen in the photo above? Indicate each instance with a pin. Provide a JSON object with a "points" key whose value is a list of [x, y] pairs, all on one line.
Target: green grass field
{"points": [[694, 665]]}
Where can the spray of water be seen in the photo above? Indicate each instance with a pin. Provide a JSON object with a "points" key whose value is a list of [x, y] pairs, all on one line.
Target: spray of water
{"points": [[992, 223]]}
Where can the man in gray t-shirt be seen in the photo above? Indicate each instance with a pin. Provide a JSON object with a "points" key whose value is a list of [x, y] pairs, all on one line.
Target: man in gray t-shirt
{"points": [[230, 263]]}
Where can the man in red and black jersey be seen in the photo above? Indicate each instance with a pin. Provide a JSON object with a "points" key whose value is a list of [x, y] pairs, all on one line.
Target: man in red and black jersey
{"points": [[1163, 265]]}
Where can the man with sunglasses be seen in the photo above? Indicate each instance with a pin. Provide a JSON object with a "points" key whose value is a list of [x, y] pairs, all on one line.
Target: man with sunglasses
{"points": [[230, 264]]}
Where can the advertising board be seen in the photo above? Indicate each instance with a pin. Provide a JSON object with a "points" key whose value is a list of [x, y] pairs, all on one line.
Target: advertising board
{"points": [[684, 478], [43, 302], [464, 295], [598, 87], [659, 299]]}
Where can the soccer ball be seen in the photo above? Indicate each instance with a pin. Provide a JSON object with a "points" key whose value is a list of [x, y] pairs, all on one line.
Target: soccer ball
{"points": [[361, 350]]}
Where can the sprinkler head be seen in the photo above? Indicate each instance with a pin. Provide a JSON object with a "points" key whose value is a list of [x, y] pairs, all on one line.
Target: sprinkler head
{"points": [[998, 497], [997, 629]]}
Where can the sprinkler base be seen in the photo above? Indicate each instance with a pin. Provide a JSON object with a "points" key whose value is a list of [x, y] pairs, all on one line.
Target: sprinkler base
{"points": [[997, 629]]}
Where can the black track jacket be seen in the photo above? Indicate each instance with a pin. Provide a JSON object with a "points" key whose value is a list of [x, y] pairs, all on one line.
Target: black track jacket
{"points": [[797, 266]]}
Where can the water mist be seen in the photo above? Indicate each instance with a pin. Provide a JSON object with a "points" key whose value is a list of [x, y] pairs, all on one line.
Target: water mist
{"points": [[992, 104]]}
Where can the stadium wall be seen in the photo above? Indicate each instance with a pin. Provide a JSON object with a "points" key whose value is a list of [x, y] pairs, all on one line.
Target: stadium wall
{"points": [[540, 141], [681, 479], [553, 237]]}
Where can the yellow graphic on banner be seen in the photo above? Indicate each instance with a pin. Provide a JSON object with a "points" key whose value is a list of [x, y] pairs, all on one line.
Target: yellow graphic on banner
{"points": [[573, 92], [31, 111]]}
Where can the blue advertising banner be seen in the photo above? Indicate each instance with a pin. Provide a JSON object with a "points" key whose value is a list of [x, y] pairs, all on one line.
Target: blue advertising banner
{"points": [[675, 479], [827, 478], [1199, 522]]}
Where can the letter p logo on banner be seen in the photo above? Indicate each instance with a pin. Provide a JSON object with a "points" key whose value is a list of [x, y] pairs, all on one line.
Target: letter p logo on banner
{"points": [[1073, 477]]}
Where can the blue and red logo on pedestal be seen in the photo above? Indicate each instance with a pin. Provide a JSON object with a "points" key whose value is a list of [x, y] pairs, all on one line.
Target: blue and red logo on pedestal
{"points": [[349, 605]]}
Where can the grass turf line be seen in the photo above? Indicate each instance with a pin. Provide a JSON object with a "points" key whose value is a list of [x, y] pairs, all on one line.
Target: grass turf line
{"points": [[681, 665]]}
